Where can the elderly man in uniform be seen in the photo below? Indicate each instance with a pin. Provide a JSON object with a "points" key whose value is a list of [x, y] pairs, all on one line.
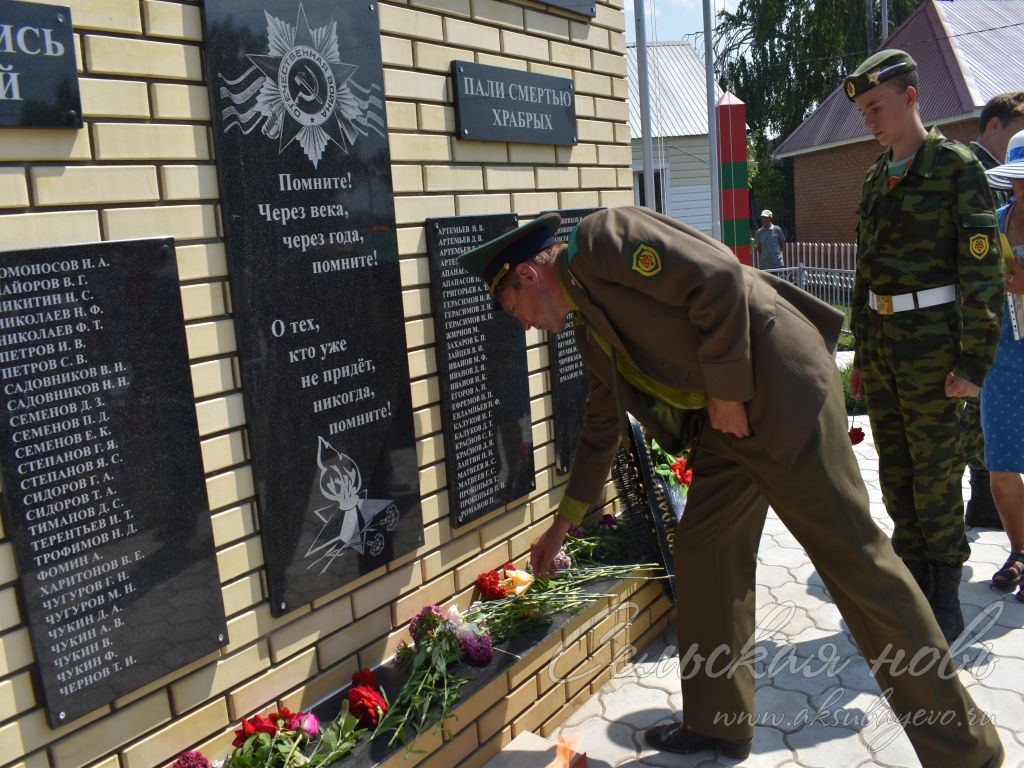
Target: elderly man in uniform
{"points": [[1000, 119], [739, 365], [927, 298]]}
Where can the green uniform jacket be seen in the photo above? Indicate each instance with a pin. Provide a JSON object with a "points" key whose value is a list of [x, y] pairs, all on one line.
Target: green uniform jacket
{"points": [[936, 227], [685, 312]]}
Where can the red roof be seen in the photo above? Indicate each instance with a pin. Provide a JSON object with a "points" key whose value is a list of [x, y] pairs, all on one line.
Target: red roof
{"points": [[967, 51]]}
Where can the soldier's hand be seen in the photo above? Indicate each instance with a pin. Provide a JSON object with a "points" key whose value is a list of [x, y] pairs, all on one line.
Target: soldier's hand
{"points": [[729, 416], [544, 549], [960, 387], [1015, 279], [856, 384]]}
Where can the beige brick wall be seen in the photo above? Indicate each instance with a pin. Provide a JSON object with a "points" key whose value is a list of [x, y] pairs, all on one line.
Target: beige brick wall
{"points": [[142, 165]]}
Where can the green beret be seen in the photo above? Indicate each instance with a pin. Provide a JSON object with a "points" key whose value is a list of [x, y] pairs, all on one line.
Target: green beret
{"points": [[492, 260], [876, 69]]}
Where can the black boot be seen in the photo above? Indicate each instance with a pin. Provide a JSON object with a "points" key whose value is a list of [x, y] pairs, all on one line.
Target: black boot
{"points": [[922, 572], [981, 509], [945, 598]]}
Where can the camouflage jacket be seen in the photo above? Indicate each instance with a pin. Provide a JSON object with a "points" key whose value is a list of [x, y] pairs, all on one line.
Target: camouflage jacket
{"points": [[1000, 197], [936, 227]]}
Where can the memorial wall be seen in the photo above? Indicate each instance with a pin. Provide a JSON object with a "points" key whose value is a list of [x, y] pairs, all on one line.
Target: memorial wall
{"points": [[253, 417]]}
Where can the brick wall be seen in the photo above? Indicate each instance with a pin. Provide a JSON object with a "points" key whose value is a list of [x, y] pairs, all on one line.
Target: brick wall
{"points": [[142, 166], [828, 186]]}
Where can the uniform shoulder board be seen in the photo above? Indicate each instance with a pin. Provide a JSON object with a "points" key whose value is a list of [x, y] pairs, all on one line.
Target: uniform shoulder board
{"points": [[960, 150]]}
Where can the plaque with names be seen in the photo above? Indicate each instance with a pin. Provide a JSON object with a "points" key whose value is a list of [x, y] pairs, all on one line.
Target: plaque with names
{"points": [[568, 373], [501, 104], [104, 491], [38, 72], [481, 360], [297, 91]]}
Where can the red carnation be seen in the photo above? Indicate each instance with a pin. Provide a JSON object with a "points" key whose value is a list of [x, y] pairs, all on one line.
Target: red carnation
{"points": [[489, 585], [856, 435], [509, 566], [258, 724], [680, 469], [367, 705], [191, 760], [364, 677]]}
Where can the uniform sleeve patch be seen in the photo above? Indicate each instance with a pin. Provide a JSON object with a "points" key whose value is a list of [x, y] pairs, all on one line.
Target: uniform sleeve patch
{"points": [[646, 260], [978, 245]]}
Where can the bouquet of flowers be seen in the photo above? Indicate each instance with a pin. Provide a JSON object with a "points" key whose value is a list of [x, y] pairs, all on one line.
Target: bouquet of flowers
{"points": [[285, 739], [366, 700], [426, 700], [674, 470]]}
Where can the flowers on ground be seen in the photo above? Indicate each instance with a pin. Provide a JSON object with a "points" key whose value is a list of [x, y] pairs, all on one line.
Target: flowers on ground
{"points": [[191, 760], [366, 701], [426, 700]]}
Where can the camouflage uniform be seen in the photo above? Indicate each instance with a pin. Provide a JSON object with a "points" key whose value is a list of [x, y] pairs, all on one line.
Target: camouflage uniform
{"points": [[970, 416], [936, 227]]}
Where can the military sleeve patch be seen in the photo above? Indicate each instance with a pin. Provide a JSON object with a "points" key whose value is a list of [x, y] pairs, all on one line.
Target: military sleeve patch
{"points": [[646, 260], [978, 245]]}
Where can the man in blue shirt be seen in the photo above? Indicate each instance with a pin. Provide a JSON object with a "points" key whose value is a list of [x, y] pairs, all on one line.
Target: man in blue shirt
{"points": [[770, 241]]}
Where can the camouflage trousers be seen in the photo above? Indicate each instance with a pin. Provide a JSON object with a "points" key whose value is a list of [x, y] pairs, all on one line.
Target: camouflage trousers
{"points": [[971, 437], [917, 431]]}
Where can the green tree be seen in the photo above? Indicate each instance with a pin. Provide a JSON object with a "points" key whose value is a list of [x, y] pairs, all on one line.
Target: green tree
{"points": [[782, 57]]}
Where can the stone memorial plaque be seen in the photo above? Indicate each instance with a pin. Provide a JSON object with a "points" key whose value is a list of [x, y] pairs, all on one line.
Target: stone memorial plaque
{"points": [[105, 498], [38, 73], [481, 360], [305, 179], [568, 373], [500, 104]]}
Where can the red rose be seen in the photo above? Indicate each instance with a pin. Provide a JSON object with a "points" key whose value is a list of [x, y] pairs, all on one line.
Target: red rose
{"points": [[258, 724], [680, 470], [856, 435], [284, 714], [510, 566], [367, 705], [364, 677], [489, 586]]}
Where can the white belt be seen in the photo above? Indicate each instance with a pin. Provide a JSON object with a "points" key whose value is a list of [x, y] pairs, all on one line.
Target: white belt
{"points": [[902, 302]]}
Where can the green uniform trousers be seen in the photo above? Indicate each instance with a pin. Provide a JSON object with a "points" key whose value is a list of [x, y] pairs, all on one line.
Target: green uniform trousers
{"points": [[972, 439], [822, 500], [917, 431]]}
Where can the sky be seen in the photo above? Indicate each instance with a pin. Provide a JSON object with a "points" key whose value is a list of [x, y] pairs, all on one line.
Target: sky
{"points": [[672, 19]]}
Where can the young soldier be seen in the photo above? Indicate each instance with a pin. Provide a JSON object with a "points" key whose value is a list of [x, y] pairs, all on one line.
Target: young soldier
{"points": [[1000, 119], [698, 347], [927, 298]]}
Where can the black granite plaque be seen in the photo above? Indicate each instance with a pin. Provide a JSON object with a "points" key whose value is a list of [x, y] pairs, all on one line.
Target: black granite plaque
{"points": [[481, 357], [105, 498], [568, 373], [500, 104], [38, 76], [305, 171]]}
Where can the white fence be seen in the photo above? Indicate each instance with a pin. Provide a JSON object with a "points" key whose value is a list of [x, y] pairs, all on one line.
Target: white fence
{"points": [[824, 270]]}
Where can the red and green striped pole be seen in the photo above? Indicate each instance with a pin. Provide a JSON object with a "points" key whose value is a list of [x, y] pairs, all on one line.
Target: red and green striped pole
{"points": [[732, 169]]}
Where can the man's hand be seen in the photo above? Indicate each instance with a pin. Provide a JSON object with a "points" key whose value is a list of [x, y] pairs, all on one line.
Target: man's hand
{"points": [[1015, 278], [958, 387], [856, 384], [729, 416], [544, 549]]}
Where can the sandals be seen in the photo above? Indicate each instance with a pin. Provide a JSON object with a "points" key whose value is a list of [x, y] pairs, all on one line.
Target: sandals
{"points": [[1010, 574]]}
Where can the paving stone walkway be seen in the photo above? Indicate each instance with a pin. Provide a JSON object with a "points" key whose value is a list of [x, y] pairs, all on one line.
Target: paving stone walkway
{"points": [[835, 719]]}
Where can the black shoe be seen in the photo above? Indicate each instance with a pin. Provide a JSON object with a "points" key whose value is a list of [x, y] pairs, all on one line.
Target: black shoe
{"points": [[674, 737], [945, 599], [981, 509]]}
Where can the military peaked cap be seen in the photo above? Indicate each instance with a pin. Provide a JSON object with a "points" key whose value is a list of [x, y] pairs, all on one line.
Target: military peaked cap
{"points": [[492, 260], [876, 69]]}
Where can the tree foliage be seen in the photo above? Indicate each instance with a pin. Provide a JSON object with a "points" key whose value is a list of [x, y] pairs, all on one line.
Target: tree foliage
{"points": [[782, 57]]}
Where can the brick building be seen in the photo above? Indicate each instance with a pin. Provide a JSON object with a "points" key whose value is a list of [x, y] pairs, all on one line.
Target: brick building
{"points": [[143, 166], [961, 50]]}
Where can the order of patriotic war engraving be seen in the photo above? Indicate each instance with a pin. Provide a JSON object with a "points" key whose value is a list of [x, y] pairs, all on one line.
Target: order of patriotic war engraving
{"points": [[103, 480], [302, 91], [303, 158]]}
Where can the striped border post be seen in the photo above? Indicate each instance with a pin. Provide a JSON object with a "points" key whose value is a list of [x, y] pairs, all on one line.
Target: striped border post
{"points": [[732, 169]]}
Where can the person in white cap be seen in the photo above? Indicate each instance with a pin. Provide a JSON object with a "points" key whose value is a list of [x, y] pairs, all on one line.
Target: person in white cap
{"points": [[1001, 391], [769, 240]]}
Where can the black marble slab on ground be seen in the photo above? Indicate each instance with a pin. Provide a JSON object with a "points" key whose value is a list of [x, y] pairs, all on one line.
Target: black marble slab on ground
{"points": [[568, 373], [297, 91], [481, 360], [38, 72], [105, 497]]}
